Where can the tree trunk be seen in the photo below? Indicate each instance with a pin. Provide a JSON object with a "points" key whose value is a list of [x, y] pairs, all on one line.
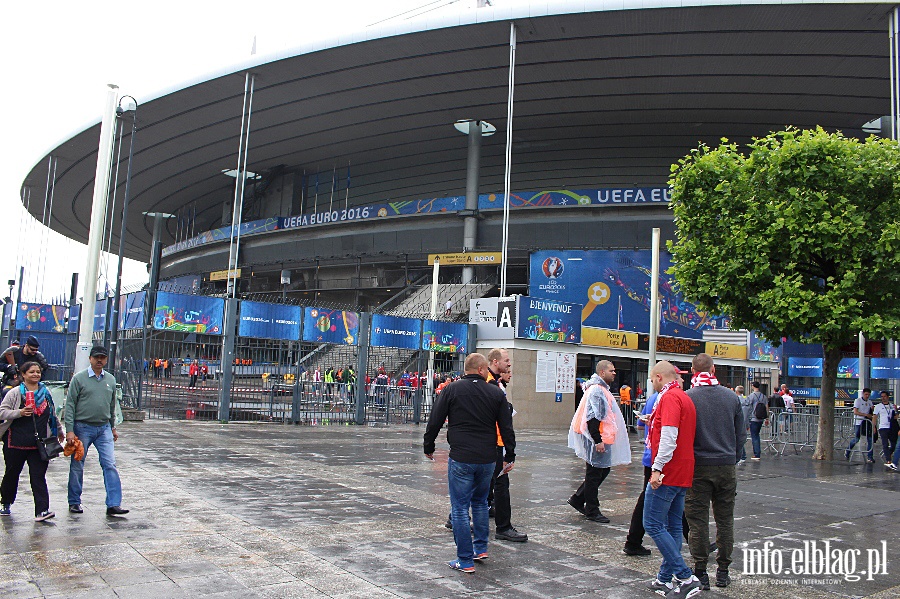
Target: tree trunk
{"points": [[825, 437]]}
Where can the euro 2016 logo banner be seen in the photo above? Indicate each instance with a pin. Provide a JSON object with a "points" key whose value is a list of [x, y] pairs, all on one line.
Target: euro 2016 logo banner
{"points": [[614, 288]]}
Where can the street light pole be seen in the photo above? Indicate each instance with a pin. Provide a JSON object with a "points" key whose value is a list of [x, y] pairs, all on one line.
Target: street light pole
{"points": [[114, 341]]}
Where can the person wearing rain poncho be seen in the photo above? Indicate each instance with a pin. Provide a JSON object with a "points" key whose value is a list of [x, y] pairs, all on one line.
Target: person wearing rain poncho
{"points": [[599, 437]]}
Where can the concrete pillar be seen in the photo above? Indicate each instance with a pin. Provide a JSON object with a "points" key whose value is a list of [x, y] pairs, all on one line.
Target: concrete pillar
{"points": [[473, 166]]}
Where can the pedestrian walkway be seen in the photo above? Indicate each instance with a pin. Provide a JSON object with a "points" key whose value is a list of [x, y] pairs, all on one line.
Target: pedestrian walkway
{"points": [[250, 510]]}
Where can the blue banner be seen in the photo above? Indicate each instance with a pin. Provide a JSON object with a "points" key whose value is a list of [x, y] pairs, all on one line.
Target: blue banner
{"points": [[270, 321], [548, 320], [562, 198], [7, 316], [394, 331], [131, 310], [188, 313], [41, 317], [763, 350], [100, 315], [614, 288], [848, 368], [323, 325], [884, 368], [450, 337], [804, 367], [74, 318]]}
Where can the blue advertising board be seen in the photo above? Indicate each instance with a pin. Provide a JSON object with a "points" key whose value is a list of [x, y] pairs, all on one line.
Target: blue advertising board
{"points": [[884, 368], [548, 320], [394, 331], [440, 336], [41, 317], [614, 288], [270, 321], [188, 313], [74, 318], [131, 310], [324, 325], [100, 315], [848, 368]]}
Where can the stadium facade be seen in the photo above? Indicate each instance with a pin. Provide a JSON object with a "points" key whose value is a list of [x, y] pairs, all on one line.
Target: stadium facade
{"points": [[369, 153]]}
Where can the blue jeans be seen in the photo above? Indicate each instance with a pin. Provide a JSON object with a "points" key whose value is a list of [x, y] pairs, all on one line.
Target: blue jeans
{"points": [[896, 457], [469, 485], [755, 427], [868, 434], [663, 508], [101, 438]]}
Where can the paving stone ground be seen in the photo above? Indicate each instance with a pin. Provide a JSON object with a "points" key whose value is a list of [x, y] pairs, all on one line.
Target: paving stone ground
{"points": [[244, 511]]}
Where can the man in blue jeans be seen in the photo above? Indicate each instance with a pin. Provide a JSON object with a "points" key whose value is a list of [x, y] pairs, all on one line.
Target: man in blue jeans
{"points": [[90, 415], [672, 427], [474, 410]]}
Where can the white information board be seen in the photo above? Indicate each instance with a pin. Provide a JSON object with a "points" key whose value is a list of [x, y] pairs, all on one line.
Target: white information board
{"points": [[565, 372], [545, 373]]}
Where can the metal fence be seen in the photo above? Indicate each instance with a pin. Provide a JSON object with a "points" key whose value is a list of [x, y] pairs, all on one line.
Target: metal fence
{"points": [[798, 430]]}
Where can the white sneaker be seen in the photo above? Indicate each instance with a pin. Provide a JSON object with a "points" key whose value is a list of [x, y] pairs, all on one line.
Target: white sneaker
{"points": [[45, 515], [891, 466], [685, 588]]}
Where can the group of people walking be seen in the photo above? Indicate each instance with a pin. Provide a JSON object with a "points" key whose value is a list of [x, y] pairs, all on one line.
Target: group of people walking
{"points": [[694, 440], [28, 419]]}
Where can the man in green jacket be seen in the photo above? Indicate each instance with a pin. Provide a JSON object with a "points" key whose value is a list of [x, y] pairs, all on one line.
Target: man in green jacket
{"points": [[91, 416]]}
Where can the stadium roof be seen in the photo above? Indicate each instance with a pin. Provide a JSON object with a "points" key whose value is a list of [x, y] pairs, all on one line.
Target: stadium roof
{"points": [[607, 93]]}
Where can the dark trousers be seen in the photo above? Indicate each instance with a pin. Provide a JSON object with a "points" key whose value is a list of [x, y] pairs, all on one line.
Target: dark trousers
{"points": [[716, 485], [587, 493], [498, 497], [635, 536], [37, 471], [888, 442], [193, 380]]}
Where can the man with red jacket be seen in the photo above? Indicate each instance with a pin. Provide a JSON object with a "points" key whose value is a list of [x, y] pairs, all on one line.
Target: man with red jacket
{"points": [[672, 427]]}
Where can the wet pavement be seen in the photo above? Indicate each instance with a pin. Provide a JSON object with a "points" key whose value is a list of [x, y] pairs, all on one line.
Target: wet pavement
{"points": [[244, 511]]}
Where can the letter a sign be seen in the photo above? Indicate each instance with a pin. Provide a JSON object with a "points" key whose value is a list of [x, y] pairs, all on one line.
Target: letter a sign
{"points": [[506, 315]]}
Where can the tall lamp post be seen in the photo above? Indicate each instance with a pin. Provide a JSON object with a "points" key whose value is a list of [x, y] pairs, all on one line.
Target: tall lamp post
{"points": [[114, 339]]}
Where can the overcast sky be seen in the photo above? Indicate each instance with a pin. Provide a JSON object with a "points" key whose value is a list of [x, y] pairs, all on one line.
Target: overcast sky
{"points": [[61, 55]]}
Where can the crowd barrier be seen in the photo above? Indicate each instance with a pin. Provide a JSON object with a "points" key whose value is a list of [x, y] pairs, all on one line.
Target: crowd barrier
{"points": [[798, 430]]}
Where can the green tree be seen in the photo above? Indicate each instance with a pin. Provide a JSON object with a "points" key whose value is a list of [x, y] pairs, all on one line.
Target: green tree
{"points": [[798, 238]]}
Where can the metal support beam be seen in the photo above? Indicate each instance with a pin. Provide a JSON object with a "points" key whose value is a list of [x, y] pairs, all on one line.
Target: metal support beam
{"points": [[230, 331], [362, 366], [473, 167]]}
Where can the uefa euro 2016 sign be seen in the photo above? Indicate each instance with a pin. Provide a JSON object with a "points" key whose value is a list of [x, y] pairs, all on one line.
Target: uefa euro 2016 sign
{"points": [[324, 325], [395, 331], [270, 321]]}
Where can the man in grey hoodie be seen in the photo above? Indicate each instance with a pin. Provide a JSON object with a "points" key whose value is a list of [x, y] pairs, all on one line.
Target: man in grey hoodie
{"points": [[720, 436]]}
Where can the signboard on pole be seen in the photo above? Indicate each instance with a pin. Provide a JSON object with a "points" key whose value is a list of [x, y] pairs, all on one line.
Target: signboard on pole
{"points": [[467, 258], [131, 310], [448, 337], [548, 320]]}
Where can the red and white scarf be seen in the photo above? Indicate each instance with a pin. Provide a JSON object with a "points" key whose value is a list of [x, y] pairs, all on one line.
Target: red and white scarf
{"points": [[702, 379]]}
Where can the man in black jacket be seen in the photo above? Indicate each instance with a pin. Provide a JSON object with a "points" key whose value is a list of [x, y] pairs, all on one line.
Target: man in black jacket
{"points": [[13, 358], [474, 411]]}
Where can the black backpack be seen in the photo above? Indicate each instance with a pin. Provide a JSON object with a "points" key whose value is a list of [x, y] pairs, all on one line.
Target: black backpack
{"points": [[760, 411]]}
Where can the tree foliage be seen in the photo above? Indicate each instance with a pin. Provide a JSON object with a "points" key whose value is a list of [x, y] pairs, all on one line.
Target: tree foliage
{"points": [[799, 237]]}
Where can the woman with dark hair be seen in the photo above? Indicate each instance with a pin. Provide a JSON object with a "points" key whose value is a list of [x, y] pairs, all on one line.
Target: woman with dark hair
{"points": [[27, 408]]}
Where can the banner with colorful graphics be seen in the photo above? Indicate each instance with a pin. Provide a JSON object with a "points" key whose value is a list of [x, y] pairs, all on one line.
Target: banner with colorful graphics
{"points": [[41, 317], [270, 321], [324, 325], [395, 331], [188, 313], [763, 350], [548, 320], [439, 336], [614, 288]]}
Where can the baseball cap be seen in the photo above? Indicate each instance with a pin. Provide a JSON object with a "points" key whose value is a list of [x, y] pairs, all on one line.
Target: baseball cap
{"points": [[99, 350], [32, 341]]}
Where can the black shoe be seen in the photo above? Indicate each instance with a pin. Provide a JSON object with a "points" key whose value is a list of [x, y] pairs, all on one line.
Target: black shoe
{"points": [[598, 517], [448, 524], [722, 578], [491, 512], [713, 547], [76, 508], [640, 550], [574, 503], [511, 534], [115, 511], [703, 577]]}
